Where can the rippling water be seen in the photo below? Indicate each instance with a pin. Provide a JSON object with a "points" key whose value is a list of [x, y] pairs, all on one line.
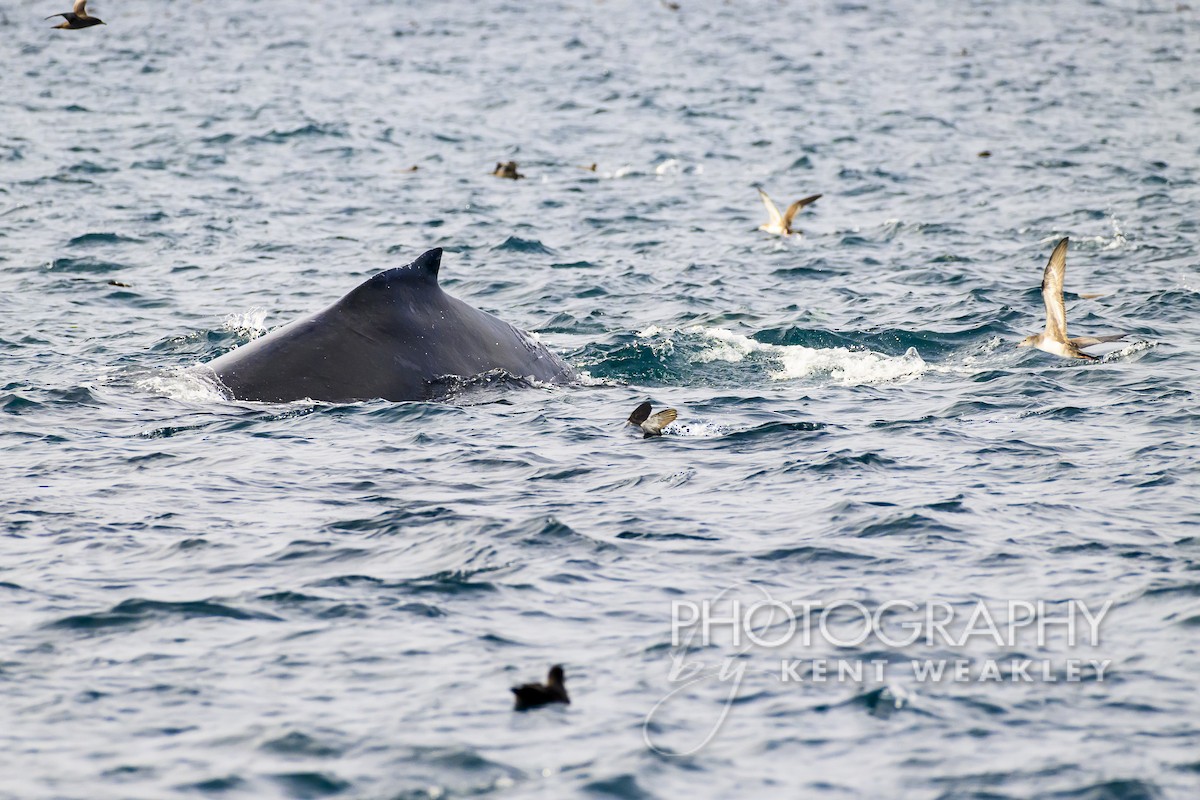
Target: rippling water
{"points": [[223, 599]]}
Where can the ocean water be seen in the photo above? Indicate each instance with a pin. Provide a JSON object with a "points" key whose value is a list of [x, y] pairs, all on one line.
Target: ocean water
{"points": [[206, 598]]}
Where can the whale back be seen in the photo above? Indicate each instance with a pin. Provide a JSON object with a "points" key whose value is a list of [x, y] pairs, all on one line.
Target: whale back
{"points": [[389, 338]]}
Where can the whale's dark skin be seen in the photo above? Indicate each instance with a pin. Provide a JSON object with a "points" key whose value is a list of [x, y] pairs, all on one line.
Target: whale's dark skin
{"points": [[389, 339]]}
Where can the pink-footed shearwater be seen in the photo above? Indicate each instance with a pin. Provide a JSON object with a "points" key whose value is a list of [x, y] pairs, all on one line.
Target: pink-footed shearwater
{"points": [[781, 224], [1054, 339], [77, 17]]}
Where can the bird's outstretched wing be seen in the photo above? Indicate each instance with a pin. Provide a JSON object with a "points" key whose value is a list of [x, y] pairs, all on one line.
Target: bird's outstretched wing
{"points": [[772, 209], [655, 424], [640, 414], [80, 9], [796, 206], [1052, 292]]}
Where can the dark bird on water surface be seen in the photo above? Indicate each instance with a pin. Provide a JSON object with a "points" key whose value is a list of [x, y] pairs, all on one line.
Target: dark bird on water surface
{"points": [[651, 424], [77, 17], [533, 695], [507, 170]]}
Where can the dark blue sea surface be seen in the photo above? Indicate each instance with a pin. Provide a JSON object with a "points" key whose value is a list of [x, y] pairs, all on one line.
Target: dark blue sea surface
{"points": [[208, 598]]}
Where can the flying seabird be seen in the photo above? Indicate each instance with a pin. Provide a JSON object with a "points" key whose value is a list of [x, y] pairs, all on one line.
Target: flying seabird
{"points": [[77, 17], [1054, 339], [532, 695], [782, 223], [651, 425]]}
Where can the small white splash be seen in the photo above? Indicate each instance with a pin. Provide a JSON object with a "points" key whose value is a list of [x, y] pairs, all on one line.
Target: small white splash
{"points": [[587, 379], [850, 367], [1118, 239], [661, 343], [896, 696], [668, 167], [623, 172], [726, 345], [991, 345], [673, 166], [1127, 350], [181, 383], [845, 366], [249, 323], [697, 429], [971, 360]]}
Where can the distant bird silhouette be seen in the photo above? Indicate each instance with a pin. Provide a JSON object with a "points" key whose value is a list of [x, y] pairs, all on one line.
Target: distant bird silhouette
{"points": [[1054, 339], [507, 170], [651, 424], [532, 695], [781, 224], [77, 17]]}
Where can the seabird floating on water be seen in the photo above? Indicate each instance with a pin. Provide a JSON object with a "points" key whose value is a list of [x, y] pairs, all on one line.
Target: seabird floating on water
{"points": [[532, 695], [1054, 339], [77, 17], [781, 224], [507, 170], [651, 424]]}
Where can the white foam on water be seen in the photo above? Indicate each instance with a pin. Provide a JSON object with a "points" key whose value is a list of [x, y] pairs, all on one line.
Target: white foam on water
{"points": [[726, 345], [182, 383], [845, 366], [673, 166], [248, 323], [668, 167], [587, 379], [850, 367], [697, 429], [1122, 350]]}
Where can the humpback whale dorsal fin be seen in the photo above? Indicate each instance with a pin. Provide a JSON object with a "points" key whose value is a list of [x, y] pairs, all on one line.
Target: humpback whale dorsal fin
{"points": [[428, 263], [421, 273], [424, 269]]}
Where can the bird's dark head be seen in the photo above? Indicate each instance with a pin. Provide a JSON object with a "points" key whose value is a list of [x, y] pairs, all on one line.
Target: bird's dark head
{"points": [[556, 677]]}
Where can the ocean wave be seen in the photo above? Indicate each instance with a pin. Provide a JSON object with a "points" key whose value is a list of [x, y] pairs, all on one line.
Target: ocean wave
{"points": [[791, 362]]}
